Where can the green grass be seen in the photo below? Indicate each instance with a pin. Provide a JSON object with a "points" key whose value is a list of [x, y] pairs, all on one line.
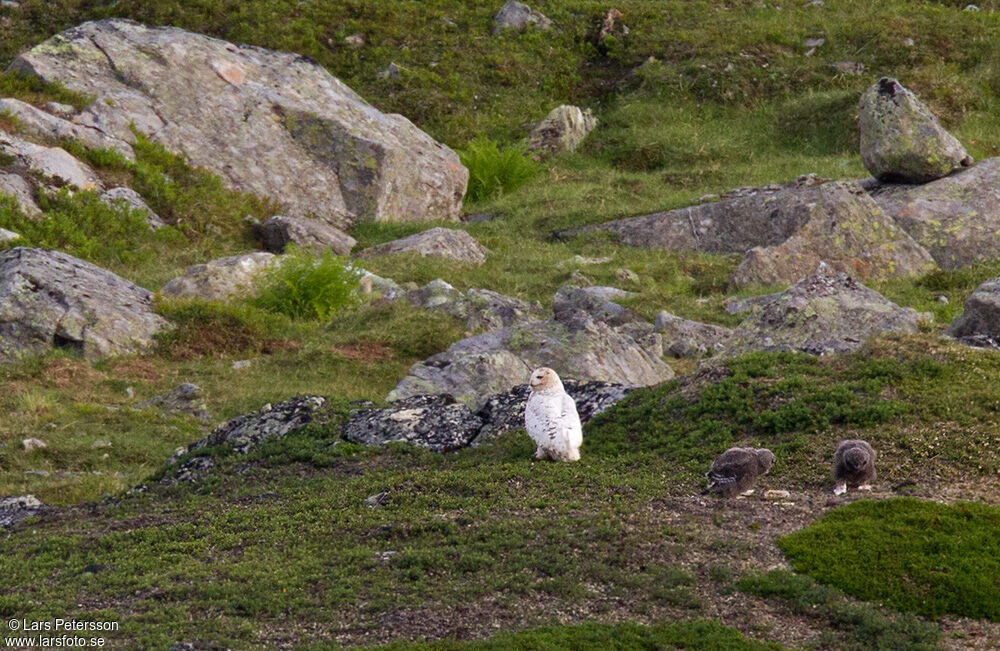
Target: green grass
{"points": [[306, 286], [912, 555], [492, 171]]}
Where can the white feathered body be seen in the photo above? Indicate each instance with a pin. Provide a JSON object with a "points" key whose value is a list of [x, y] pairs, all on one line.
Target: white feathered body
{"points": [[553, 423]]}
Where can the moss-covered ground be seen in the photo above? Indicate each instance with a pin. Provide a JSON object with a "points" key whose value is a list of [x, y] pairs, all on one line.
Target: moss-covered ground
{"points": [[279, 550]]}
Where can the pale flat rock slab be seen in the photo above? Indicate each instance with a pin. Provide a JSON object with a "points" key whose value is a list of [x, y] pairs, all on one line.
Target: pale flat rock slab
{"points": [[272, 123], [563, 129], [901, 140], [50, 299], [821, 314], [222, 279], [54, 164], [17, 187], [436, 242], [135, 201], [979, 324], [315, 234], [957, 218], [42, 124], [846, 230]]}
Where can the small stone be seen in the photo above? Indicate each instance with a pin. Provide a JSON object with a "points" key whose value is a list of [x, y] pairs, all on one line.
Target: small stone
{"points": [[942, 299], [392, 72], [705, 198], [32, 444], [627, 275], [580, 261], [813, 42], [7, 236], [854, 68], [62, 110], [377, 500], [37, 473], [186, 398], [241, 364], [776, 495], [518, 17], [563, 129], [316, 234], [479, 217], [100, 444], [909, 42], [10, 4], [354, 41], [971, 8], [130, 392]]}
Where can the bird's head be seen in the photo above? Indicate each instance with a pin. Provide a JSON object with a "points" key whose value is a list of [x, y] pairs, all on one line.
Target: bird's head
{"points": [[765, 458], [544, 379], [856, 458]]}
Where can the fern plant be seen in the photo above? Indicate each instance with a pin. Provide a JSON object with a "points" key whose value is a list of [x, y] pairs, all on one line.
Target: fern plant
{"points": [[493, 170]]}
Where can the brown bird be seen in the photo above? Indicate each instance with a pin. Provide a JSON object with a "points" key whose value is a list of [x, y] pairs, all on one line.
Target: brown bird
{"points": [[854, 465], [734, 471]]}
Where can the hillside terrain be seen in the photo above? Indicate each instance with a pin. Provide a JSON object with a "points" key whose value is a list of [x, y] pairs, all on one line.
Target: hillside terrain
{"points": [[710, 264]]}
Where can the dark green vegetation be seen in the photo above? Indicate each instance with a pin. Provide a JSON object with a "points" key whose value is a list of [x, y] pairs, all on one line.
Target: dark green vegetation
{"points": [[492, 171], [278, 548], [305, 286], [912, 555]]}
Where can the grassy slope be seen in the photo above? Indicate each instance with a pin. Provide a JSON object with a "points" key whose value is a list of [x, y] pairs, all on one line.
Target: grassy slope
{"points": [[732, 100]]}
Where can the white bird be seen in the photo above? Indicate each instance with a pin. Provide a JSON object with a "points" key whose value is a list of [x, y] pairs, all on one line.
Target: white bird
{"points": [[551, 419]]}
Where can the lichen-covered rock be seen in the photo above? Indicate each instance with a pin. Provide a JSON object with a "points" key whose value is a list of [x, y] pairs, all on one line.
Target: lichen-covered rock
{"points": [[493, 362], [956, 218], [134, 201], [563, 129], [272, 123], [222, 279], [504, 412], [436, 242], [50, 299], [186, 398], [316, 234], [435, 422], [596, 302], [17, 187], [54, 164], [979, 324], [41, 124], [480, 309], [519, 16], [901, 140], [845, 229], [823, 313], [686, 338], [270, 423], [15, 509]]}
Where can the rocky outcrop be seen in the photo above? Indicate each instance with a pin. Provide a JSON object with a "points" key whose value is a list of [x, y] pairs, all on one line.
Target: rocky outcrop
{"points": [[901, 140], [15, 186], [956, 218], [186, 398], [518, 17], [314, 234], [479, 309], [575, 343], [784, 231], [8, 236], [686, 338], [437, 242], [563, 129], [134, 201], [979, 324], [846, 230], [823, 313], [50, 299], [53, 164], [436, 422], [42, 124], [272, 123], [222, 279], [15, 509]]}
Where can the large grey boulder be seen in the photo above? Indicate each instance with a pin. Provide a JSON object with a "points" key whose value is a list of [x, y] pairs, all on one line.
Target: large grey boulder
{"points": [[479, 309], [956, 218], [16, 186], [314, 234], [823, 313], [979, 324], [437, 423], [222, 279], [272, 123], [435, 242], [43, 124], [518, 17], [849, 232], [270, 423], [15, 509], [581, 348], [54, 165], [50, 299], [901, 140], [783, 232], [563, 129]]}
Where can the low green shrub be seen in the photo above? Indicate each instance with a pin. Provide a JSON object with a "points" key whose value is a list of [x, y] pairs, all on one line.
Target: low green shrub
{"points": [[493, 171], [305, 286]]}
